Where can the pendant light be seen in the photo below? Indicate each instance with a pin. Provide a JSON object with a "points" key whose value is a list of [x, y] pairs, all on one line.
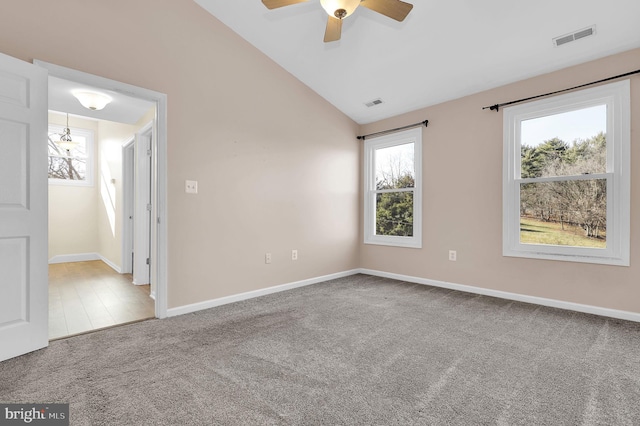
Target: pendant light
{"points": [[65, 141]]}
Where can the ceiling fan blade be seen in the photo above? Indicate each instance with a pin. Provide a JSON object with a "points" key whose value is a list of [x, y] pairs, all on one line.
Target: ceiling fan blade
{"points": [[334, 29], [274, 4], [394, 9]]}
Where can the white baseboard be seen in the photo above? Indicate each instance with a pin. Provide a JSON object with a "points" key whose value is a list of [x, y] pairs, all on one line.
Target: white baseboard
{"points": [[110, 263], [78, 257], [83, 257], [152, 295], [570, 306], [181, 310]]}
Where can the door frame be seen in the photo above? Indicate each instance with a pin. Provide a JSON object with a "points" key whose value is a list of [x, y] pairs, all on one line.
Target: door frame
{"points": [[128, 201], [159, 271]]}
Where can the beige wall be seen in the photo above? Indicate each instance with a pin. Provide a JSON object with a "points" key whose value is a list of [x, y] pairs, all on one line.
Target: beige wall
{"points": [[73, 210], [277, 165], [462, 200]]}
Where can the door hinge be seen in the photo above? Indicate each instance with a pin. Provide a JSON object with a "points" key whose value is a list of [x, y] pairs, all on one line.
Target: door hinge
{"points": [[148, 261], [148, 207]]}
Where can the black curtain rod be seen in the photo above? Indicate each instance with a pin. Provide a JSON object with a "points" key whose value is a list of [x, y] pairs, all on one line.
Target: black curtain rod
{"points": [[384, 132], [496, 107]]}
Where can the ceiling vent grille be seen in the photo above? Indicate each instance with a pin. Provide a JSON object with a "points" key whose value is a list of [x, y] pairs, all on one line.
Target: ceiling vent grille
{"points": [[577, 35], [373, 102]]}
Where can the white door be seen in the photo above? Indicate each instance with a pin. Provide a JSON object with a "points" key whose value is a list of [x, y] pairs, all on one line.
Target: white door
{"points": [[142, 215], [23, 208]]}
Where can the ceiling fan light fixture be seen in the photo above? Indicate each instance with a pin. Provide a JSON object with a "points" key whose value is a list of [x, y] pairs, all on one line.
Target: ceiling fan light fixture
{"points": [[92, 100], [339, 8]]}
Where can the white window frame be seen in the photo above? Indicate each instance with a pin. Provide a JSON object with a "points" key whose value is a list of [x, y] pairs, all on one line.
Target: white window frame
{"points": [[370, 146], [89, 137], [616, 96]]}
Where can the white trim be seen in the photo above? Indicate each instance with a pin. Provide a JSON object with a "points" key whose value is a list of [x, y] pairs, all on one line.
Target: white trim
{"points": [[412, 136], [553, 303], [128, 170], [186, 309], [569, 306], [616, 96], [111, 264], [83, 257], [77, 257], [160, 156]]}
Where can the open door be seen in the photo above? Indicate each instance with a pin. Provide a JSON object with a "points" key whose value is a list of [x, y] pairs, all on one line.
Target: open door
{"points": [[23, 208], [142, 216]]}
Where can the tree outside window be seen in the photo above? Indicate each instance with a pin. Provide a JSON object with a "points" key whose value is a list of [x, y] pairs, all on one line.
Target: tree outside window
{"points": [[70, 166], [392, 203], [566, 186]]}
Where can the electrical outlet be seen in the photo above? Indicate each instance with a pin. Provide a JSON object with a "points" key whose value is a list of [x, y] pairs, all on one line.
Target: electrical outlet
{"points": [[294, 254], [191, 186], [267, 258], [453, 255]]}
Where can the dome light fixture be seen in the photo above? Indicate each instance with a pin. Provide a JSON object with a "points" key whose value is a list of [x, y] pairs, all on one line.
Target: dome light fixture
{"points": [[92, 100], [339, 8]]}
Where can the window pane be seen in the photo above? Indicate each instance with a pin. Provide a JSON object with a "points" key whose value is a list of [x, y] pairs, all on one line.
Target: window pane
{"points": [[394, 214], [571, 143], [394, 167], [67, 168], [570, 213]]}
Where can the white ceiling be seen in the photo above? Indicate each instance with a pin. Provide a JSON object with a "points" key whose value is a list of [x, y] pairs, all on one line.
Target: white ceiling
{"points": [[444, 50], [122, 108]]}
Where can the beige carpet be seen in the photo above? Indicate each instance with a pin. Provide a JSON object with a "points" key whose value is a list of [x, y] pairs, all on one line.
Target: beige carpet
{"points": [[358, 350]]}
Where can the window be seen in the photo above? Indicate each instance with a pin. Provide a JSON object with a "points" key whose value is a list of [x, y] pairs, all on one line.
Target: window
{"points": [[73, 166], [566, 177], [393, 182]]}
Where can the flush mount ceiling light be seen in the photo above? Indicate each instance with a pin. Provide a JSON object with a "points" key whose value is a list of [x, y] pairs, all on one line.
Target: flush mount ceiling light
{"points": [[92, 100], [340, 9]]}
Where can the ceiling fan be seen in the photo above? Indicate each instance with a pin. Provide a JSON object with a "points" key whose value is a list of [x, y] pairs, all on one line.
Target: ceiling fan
{"points": [[340, 9]]}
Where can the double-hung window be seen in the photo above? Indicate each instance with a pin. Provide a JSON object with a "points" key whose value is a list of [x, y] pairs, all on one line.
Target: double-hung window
{"points": [[566, 177], [393, 189], [72, 164]]}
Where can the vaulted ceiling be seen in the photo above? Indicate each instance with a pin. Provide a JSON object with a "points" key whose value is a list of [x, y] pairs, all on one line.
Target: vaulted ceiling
{"points": [[443, 50]]}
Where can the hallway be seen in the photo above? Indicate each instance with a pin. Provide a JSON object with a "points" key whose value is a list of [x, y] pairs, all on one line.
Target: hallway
{"points": [[85, 296]]}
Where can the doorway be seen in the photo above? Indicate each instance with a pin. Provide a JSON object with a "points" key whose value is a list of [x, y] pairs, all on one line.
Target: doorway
{"points": [[89, 287], [154, 254]]}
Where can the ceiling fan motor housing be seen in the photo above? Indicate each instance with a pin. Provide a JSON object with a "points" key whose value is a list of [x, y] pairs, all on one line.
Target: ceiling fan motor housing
{"points": [[339, 8]]}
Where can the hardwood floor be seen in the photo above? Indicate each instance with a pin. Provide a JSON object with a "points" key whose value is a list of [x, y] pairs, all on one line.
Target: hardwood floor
{"points": [[85, 296]]}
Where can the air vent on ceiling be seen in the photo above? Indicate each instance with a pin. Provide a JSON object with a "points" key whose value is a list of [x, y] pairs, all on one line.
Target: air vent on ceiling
{"points": [[373, 102], [576, 35]]}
